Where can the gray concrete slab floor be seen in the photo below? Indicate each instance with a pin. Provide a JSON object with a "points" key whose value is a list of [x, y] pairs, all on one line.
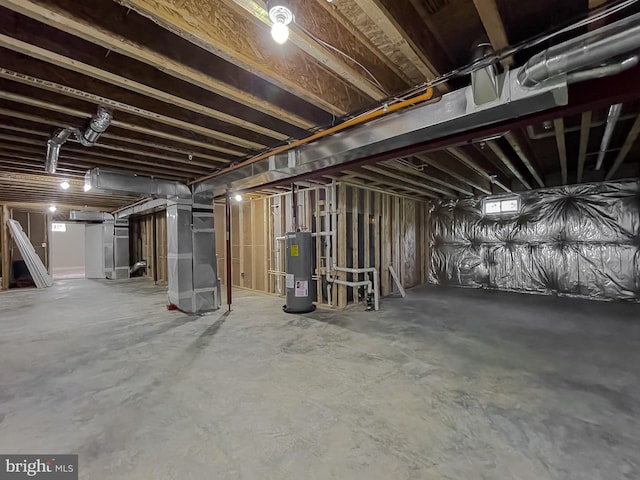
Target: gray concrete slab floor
{"points": [[446, 384]]}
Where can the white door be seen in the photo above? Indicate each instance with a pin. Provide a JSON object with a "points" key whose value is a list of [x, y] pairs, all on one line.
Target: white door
{"points": [[93, 251]]}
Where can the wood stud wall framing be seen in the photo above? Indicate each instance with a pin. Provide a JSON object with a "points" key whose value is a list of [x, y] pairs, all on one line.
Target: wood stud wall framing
{"points": [[374, 229]]}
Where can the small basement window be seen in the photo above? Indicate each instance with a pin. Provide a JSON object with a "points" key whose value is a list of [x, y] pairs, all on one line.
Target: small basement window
{"points": [[501, 205]]}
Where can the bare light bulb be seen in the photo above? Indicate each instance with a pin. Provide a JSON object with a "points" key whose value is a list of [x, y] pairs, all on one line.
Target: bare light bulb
{"points": [[238, 198], [52, 208], [280, 32], [87, 187], [65, 185]]}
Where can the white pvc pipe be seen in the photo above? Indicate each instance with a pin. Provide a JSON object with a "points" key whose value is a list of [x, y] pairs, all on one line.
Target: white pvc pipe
{"points": [[372, 270]]}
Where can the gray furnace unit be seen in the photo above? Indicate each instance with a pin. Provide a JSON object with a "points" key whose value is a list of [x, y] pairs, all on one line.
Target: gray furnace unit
{"points": [[299, 268]]}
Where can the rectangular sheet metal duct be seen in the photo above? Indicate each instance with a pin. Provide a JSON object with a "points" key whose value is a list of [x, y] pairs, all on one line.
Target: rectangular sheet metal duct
{"points": [[455, 112], [127, 182]]}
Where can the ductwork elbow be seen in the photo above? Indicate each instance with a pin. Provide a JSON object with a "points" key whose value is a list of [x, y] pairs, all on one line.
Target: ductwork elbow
{"points": [[97, 126], [592, 48], [53, 149]]}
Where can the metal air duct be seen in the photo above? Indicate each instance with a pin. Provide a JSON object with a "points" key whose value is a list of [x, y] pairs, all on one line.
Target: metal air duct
{"points": [[97, 125], [53, 149], [587, 50], [128, 182]]}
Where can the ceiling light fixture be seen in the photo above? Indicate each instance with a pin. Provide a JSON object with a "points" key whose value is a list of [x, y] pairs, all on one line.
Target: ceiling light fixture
{"points": [[280, 16], [87, 187], [238, 198], [52, 208], [65, 185]]}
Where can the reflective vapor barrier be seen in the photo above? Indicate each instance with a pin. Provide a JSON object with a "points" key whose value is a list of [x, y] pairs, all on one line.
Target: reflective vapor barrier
{"points": [[581, 240]]}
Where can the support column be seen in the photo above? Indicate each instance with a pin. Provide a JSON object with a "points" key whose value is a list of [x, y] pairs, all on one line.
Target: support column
{"points": [[227, 210], [4, 248], [193, 280]]}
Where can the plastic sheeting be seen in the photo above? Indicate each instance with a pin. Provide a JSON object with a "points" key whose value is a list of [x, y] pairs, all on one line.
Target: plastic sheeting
{"points": [[581, 240]]}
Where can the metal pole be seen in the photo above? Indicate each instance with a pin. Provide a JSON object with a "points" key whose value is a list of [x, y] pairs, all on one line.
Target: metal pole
{"points": [[294, 205], [228, 254]]}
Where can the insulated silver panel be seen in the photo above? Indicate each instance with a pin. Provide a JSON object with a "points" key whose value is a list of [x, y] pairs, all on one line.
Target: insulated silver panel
{"points": [[581, 240]]}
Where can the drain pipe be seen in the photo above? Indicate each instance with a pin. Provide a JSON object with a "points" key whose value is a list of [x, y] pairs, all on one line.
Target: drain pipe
{"points": [[371, 288], [612, 120]]}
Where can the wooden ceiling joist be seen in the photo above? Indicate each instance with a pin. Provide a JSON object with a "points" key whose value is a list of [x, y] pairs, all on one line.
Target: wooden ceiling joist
{"points": [[493, 25], [90, 23], [502, 156], [226, 33], [176, 136], [420, 192], [468, 160], [92, 72], [626, 147], [333, 61], [157, 149], [88, 159], [402, 25], [517, 146], [469, 177], [411, 181], [104, 144], [585, 128], [132, 110], [558, 125], [440, 179]]}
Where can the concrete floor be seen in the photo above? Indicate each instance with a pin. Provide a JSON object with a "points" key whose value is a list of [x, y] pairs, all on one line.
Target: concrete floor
{"points": [[446, 384]]}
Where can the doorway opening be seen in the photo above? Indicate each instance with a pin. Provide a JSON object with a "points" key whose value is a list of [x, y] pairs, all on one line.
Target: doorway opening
{"points": [[67, 250]]}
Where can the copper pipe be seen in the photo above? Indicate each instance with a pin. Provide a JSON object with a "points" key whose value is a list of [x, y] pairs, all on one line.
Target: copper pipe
{"points": [[379, 112]]}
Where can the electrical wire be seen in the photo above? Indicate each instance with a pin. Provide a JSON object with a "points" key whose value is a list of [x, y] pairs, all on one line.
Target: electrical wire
{"points": [[337, 50], [483, 62]]}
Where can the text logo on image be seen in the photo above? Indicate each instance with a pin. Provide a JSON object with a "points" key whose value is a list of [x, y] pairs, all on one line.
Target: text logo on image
{"points": [[46, 467]]}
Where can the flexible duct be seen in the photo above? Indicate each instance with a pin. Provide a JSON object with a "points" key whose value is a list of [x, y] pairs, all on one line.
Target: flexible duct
{"points": [[97, 125], [589, 49], [142, 265]]}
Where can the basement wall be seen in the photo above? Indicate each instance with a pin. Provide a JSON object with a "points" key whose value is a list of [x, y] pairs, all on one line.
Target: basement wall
{"points": [[375, 228], [581, 240], [35, 225]]}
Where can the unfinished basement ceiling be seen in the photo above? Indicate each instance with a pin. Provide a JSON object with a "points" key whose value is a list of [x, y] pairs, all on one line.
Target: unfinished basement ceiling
{"points": [[196, 86]]}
